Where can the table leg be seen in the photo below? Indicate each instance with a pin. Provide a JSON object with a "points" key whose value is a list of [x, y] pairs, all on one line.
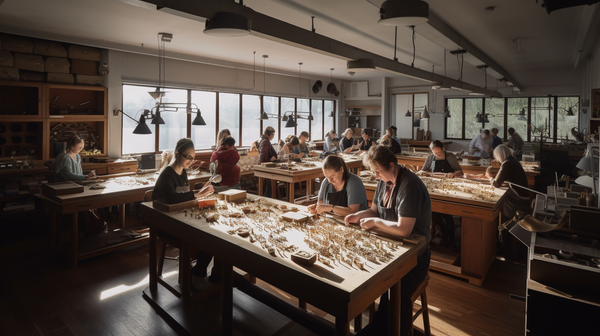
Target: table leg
{"points": [[309, 187], [153, 262], [394, 310], [227, 303], [291, 192], [122, 215], [184, 270], [260, 186], [273, 189], [358, 323], [342, 327], [73, 251], [53, 224], [302, 304]]}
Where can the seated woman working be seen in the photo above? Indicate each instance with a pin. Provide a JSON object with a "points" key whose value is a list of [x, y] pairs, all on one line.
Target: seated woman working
{"points": [[441, 161], [391, 143], [347, 145], [172, 186], [67, 166], [329, 144], [302, 148], [291, 142], [227, 157], [342, 192], [401, 206]]}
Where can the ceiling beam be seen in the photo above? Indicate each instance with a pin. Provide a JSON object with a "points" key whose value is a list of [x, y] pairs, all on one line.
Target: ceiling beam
{"points": [[276, 30]]}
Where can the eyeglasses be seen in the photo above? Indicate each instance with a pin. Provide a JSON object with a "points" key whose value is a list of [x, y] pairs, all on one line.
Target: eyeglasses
{"points": [[189, 157]]}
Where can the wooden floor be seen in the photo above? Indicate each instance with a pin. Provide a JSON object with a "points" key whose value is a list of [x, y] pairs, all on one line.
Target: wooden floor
{"points": [[41, 295]]}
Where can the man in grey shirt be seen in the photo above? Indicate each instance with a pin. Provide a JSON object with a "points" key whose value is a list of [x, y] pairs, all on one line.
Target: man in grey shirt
{"points": [[481, 145]]}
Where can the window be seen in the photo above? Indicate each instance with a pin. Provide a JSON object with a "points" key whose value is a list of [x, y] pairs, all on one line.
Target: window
{"points": [[229, 114], [251, 123], [454, 124], [287, 104], [271, 106], [207, 103], [316, 126], [175, 126], [329, 113], [303, 122], [135, 99], [531, 117]]}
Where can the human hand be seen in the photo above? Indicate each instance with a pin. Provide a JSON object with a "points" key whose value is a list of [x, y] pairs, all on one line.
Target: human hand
{"points": [[451, 175], [321, 207], [91, 175], [206, 190], [351, 219], [273, 158], [313, 209], [368, 223]]}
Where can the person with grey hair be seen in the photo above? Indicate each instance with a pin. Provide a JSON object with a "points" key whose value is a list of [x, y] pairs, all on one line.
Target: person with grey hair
{"points": [[481, 145], [347, 145]]}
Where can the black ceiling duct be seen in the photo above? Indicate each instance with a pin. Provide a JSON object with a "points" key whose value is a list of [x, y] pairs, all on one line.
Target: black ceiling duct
{"points": [[552, 5]]}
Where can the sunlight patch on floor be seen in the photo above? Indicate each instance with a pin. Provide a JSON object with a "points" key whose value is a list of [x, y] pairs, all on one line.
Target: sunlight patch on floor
{"points": [[124, 288]]}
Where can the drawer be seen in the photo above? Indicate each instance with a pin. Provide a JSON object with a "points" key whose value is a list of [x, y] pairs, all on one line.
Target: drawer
{"points": [[122, 168], [102, 171]]}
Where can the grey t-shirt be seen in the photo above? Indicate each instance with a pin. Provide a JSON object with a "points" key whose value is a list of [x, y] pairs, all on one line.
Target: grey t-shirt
{"points": [[357, 194], [412, 200]]}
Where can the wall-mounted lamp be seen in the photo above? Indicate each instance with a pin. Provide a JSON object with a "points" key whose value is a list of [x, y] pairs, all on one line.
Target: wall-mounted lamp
{"points": [[142, 127]]}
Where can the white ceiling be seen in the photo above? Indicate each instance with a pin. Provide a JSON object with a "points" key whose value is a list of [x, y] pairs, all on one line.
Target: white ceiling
{"points": [[549, 41]]}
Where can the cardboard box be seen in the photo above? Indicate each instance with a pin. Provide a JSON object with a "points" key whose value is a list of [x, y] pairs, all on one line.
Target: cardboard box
{"points": [[57, 65], [30, 76], [82, 67], [49, 48], [7, 73], [16, 43], [29, 62], [6, 59], [60, 78], [88, 80], [233, 195], [84, 53]]}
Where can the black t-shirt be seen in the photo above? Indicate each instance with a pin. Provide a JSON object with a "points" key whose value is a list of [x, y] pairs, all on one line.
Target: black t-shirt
{"points": [[345, 143], [172, 187]]}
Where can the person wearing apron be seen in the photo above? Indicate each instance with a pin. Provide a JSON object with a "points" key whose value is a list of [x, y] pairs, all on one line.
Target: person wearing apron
{"points": [[172, 186], [342, 192], [401, 206], [441, 161]]}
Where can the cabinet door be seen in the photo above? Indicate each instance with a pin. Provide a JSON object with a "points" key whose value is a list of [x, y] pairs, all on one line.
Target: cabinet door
{"points": [[84, 102], [20, 100]]}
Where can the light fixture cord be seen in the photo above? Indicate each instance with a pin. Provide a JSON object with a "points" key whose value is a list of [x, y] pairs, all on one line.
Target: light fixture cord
{"points": [[395, 42], [414, 47]]}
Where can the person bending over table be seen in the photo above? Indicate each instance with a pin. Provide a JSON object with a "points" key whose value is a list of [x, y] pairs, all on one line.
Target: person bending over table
{"points": [[481, 145], [441, 161], [227, 158], [401, 206], [266, 153], [291, 142], [367, 142], [172, 186], [67, 166], [342, 193], [347, 145], [391, 143], [329, 144], [392, 131], [302, 147], [516, 143]]}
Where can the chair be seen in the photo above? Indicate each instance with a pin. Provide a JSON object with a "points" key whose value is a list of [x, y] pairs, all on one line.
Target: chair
{"points": [[424, 310]]}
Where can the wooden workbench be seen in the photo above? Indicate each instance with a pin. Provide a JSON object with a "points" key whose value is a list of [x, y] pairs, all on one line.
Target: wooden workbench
{"points": [[342, 291], [115, 194], [298, 174], [478, 233]]}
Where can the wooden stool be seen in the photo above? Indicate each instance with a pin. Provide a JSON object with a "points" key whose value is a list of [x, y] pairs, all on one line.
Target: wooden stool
{"points": [[420, 291]]}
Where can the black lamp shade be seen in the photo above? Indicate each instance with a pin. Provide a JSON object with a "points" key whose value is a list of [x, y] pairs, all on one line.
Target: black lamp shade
{"points": [[480, 118], [158, 120], [227, 25], [263, 116], [407, 113], [199, 121], [142, 128], [290, 122]]}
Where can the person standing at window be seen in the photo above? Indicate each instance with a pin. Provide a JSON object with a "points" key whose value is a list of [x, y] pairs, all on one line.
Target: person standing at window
{"points": [[401, 206], [227, 158], [481, 145], [496, 140], [342, 193], [266, 153], [67, 166], [346, 145]]}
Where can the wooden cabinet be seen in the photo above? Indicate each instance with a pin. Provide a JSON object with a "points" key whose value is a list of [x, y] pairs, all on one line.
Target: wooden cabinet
{"points": [[125, 167], [36, 120], [595, 111]]}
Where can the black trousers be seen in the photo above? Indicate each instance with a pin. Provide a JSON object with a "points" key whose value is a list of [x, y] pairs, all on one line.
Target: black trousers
{"points": [[446, 223]]}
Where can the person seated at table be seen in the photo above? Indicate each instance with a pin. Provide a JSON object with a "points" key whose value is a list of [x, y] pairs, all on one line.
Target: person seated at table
{"points": [[302, 147], [291, 142], [227, 158], [172, 186], [67, 166], [481, 145], [441, 161], [496, 140], [222, 135], [391, 143], [392, 131], [516, 143], [342, 193], [401, 206], [329, 144], [367, 142], [266, 153], [347, 145]]}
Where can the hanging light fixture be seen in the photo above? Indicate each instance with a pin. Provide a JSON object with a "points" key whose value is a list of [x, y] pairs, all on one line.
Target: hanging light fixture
{"points": [[479, 117], [198, 121], [332, 113], [225, 24], [159, 93], [290, 119], [263, 114], [442, 85], [360, 65], [157, 120], [403, 12], [425, 114], [408, 114], [142, 128], [447, 112], [522, 115]]}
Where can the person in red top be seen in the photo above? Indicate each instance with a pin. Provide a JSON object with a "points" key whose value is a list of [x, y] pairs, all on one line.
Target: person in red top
{"points": [[227, 158]]}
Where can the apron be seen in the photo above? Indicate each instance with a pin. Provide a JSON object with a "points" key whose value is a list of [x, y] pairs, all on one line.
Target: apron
{"points": [[391, 214], [339, 198], [441, 166]]}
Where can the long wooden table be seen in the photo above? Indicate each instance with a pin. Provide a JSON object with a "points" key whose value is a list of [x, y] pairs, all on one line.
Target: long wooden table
{"points": [[115, 194], [418, 162], [478, 232], [290, 177], [342, 291]]}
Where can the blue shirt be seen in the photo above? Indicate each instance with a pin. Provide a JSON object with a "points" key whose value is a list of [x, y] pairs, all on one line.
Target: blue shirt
{"points": [[480, 145], [357, 194], [496, 141]]}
